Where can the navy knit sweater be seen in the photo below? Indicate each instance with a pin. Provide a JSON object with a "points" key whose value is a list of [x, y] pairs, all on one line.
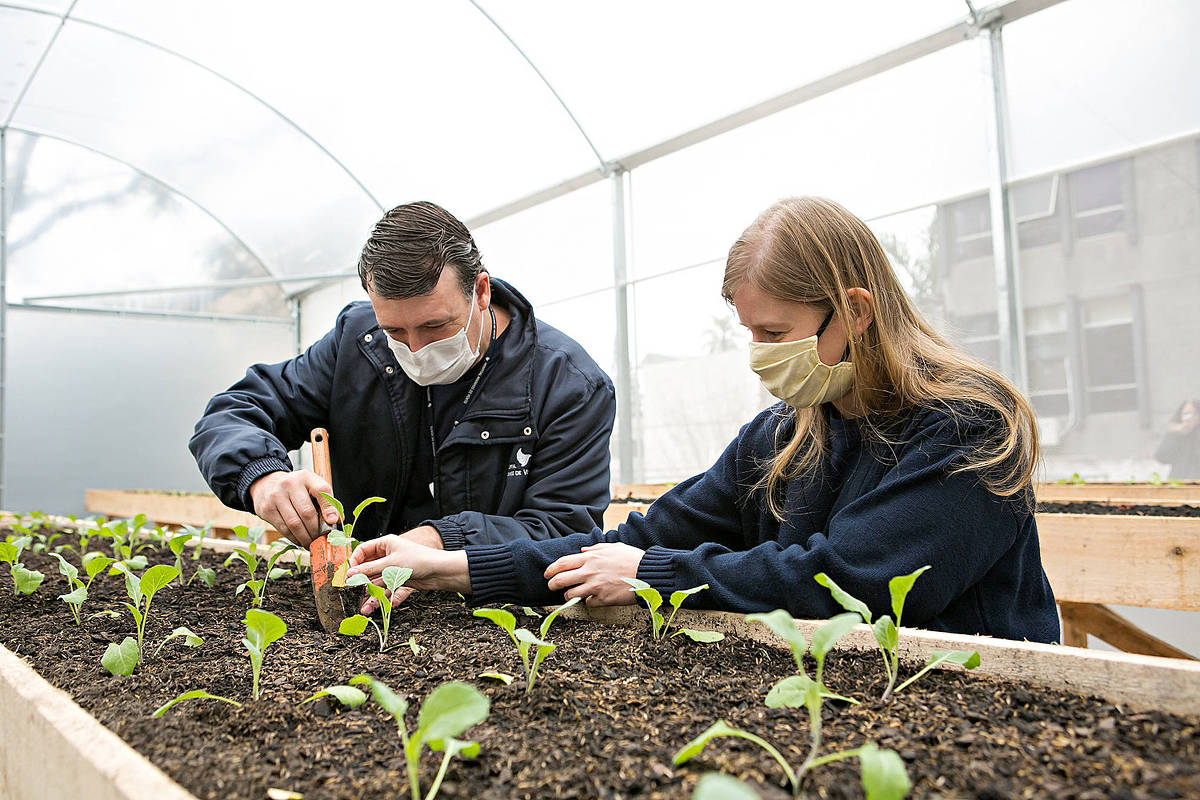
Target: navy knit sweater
{"points": [[870, 512]]}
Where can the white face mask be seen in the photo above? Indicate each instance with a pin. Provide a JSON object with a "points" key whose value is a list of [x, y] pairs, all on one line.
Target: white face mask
{"points": [[793, 372], [440, 362]]}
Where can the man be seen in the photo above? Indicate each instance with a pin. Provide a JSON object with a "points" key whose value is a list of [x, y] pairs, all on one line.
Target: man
{"points": [[478, 423]]}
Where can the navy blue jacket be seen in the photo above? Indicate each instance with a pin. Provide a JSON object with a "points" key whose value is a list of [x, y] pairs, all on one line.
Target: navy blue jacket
{"points": [[869, 513], [528, 460]]}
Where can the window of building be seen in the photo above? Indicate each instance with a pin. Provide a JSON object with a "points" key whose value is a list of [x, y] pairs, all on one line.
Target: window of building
{"points": [[1110, 360], [969, 224], [1035, 211], [1048, 354], [1101, 199], [979, 335]]}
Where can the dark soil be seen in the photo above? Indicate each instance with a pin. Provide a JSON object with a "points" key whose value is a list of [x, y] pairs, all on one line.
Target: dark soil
{"points": [[1113, 508], [607, 714]]}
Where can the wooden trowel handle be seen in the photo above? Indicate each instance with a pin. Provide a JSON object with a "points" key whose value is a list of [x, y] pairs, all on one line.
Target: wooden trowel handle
{"points": [[319, 438], [328, 562]]}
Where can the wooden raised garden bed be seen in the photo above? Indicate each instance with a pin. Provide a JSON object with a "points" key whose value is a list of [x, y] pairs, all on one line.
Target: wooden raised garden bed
{"points": [[609, 709]]}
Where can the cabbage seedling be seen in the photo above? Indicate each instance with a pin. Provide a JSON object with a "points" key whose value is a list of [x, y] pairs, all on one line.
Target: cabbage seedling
{"points": [[141, 592], [79, 590], [887, 634], [446, 714], [262, 629], [349, 696], [881, 771], [659, 626], [258, 586], [345, 537], [782, 625], [524, 640], [194, 694], [25, 581], [393, 579]]}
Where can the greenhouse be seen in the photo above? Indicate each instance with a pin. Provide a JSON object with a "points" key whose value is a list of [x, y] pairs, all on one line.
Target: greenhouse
{"points": [[496, 399]]}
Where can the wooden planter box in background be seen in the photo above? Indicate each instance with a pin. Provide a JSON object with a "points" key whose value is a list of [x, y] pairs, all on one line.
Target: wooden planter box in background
{"points": [[163, 508]]}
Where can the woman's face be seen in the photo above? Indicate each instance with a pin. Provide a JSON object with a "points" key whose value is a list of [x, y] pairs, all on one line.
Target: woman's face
{"points": [[772, 320]]}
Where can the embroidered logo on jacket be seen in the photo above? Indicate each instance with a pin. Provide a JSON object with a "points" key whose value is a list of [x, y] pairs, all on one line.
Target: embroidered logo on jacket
{"points": [[521, 468]]}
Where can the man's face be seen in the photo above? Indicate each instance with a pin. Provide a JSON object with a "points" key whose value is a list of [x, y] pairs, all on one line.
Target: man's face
{"points": [[417, 321]]}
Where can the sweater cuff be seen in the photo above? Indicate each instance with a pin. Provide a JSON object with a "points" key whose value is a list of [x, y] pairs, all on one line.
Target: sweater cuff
{"points": [[453, 533], [491, 571], [255, 470], [657, 568]]}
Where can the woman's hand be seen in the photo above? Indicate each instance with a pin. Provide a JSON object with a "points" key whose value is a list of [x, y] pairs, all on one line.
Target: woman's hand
{"points": [[431, 568], [595, 573]]}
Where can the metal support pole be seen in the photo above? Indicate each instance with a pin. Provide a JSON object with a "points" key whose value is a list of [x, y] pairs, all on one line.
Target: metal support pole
{"points": [[624, 371], [1004, 240], [3, 299], [295, 304]]}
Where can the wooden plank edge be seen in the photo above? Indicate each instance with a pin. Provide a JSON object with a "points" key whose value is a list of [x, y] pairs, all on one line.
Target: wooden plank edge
{"points": [[1125, 679], [53, 748]]}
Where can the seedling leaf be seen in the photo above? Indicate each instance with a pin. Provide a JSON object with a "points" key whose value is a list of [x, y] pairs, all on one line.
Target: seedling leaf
{"points": [[194, 694], [498, 676], [450, 710], [782, 625], [883, 773], [359, 508], [337, 505], [542, 631], [120, 659], [353, 626], [348, 696], [899, 588], [383, 695], [715, 786], [967, 660], [844, 598], [706, 637]]}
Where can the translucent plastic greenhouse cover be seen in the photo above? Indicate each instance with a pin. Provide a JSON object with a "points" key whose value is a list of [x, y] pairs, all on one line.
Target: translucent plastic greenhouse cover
{"points": [[247, 140]]}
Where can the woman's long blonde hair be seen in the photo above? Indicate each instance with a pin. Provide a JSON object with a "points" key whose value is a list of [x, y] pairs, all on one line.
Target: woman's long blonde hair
{"points": [[811, 250]]}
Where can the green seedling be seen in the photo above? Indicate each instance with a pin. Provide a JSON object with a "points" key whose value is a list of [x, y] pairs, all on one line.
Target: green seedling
{"points": [[25, 581], [345, 536], [524, 640], [141, 591], [887, 634], [660, 625], [446, 714], [194, 694], [79, 589], [881, 771], [198, 535], [176, 544], [348, 696], [257, 585], [182, 632], [262, 629], [393, 579], [782, 625], [715, 786]]}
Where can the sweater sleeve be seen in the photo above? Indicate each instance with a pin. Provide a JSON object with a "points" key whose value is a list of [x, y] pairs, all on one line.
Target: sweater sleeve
{"points": [[703, 508], [918, 514]]}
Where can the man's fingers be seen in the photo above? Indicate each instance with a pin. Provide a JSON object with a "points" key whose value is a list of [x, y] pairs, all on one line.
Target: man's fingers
{"points": [[305, 510], [574, 561], [286, 522], [400, 595], [315, 484]]}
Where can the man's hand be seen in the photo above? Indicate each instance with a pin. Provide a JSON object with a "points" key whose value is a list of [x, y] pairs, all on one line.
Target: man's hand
{"points": [[595, 573], [289, 502], [431, 568]]}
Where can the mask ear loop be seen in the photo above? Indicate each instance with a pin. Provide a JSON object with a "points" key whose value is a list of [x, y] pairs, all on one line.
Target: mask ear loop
{"points": [[824, 325]]}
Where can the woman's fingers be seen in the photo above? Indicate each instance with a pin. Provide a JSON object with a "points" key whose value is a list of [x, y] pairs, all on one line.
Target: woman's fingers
{"points": [[371, 550], [564, 579], [574, 561]]}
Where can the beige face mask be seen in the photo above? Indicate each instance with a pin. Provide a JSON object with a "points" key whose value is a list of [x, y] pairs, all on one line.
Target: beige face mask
{"points": [[793, 372]]}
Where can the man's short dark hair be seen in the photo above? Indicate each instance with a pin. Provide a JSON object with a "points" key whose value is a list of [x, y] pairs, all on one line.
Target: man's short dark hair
{"points": [[411, 246]]}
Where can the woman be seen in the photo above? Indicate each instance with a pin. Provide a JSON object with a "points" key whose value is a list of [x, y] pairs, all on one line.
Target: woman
{"points": [[1180, 447], [890, 450]]}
